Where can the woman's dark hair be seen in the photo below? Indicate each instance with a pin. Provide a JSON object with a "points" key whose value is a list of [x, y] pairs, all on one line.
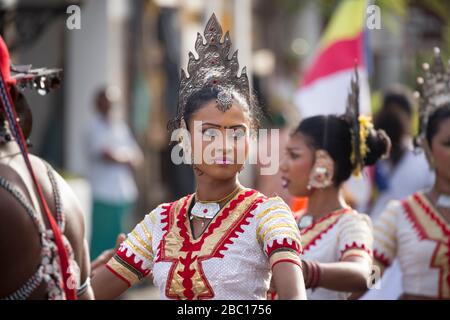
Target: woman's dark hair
{"points": [[396, 99], [435, 121], [201, 97], [399, 97], [390, 122], [332, 134]]}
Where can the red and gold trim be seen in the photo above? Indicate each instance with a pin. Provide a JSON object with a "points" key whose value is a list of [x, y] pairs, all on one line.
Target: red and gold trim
{"points": [[356, 249], [129, 269], [128, 261], [186, 278], [286, 244], [285, 256], [429, 225], [314, 232], [381, 258]]}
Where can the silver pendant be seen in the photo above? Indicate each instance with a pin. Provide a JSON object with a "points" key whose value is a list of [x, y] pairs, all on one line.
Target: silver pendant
{"points": [[205, 210], [305, 222], [443, 201]]}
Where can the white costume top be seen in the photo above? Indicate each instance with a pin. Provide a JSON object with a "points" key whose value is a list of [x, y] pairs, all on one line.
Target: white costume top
{"points": [[415, 233], [333, 238], [401, 183], [230, 260]]}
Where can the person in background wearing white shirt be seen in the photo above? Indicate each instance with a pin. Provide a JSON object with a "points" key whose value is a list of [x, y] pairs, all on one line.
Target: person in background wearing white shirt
{"points": [[113, 155]]}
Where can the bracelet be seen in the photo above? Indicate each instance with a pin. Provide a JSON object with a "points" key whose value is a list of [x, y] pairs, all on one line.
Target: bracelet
{"points": [[313, 272], [82, 289], [296, 262]]}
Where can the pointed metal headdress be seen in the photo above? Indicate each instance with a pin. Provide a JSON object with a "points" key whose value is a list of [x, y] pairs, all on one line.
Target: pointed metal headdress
{"points": [[213, 68], [351, 115], [434, 88]]}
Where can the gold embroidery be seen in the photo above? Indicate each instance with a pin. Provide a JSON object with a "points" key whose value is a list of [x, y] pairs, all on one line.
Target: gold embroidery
{"points": [[288, 234], [312, 234], [187, 263], [274, 208], [145, 245], [138, 250], [262, 224], [173, 241], [432, 227], [129, 275], [152, 216], [201, 288], [279, 225], [146, 232], [277, 256], [211, 242]]}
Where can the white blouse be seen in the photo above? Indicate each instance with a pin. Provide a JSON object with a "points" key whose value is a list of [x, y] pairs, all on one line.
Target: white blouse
{"points": [[230, 260], [415, 233], [333, 238]]}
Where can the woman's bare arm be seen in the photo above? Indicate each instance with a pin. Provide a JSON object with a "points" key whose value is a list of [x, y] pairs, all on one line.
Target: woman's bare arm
{"points": [[350, 275], [288, 280], [106, 285]]}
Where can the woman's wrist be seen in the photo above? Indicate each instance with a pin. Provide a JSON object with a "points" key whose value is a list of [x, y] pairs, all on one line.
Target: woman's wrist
{"points": [[312, 273]]}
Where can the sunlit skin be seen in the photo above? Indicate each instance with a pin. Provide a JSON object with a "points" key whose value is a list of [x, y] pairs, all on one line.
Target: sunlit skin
{"points": [[440, 152], [350, 274], [24, 251], [297, 161], [232, 128], [14, 220], [215, 181]]}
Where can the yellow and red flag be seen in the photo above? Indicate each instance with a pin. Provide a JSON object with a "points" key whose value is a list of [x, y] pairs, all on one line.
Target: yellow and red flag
{"points": [[326, 82]]}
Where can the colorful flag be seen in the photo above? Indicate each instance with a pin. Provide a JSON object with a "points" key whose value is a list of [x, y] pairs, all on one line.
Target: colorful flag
{"points": [[326, 82]]}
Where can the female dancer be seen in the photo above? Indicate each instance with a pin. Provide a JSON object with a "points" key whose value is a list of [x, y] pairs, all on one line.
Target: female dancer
{"points": [[223, 241], [337, 241], [416, 230]]}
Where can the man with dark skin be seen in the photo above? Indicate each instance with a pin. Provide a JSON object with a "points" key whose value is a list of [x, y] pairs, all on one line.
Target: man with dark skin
{"points": [[18, 232]]}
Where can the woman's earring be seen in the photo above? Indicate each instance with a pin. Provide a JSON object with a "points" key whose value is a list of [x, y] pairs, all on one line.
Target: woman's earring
{"points": [[322, 172], [383, 136]]}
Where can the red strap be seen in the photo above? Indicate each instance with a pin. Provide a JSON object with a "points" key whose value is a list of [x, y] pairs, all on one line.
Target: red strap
{"points": [[68, 284]]}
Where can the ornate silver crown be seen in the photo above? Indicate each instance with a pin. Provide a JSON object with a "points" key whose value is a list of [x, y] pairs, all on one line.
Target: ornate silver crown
{"points": [[434, 88], [213, 68]]}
